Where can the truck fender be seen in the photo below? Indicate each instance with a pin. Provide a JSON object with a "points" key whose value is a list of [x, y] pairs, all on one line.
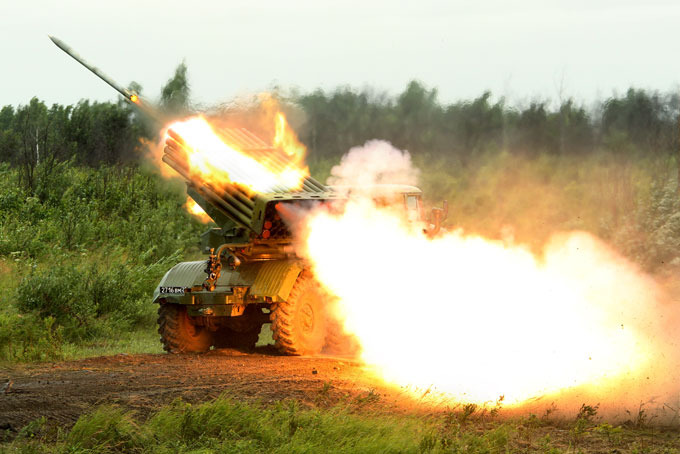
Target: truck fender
{"points": [[275, 279]]}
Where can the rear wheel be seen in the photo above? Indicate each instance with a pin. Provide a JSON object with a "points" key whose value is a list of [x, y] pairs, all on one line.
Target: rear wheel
{"points": [[178, 332], [299, 324]]}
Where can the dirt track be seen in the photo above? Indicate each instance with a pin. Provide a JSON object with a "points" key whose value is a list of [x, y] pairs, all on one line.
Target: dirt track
{"points": [[63, 391]]}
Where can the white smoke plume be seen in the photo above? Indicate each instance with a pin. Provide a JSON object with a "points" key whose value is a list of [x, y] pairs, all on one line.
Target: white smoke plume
{"points": [[376, 162]]}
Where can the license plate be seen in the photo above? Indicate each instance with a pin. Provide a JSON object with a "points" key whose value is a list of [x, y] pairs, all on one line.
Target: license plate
{"points": [[172, 290]]}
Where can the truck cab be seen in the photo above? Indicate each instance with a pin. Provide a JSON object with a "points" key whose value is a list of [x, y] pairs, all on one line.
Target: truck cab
{"points": [[399, 196]]}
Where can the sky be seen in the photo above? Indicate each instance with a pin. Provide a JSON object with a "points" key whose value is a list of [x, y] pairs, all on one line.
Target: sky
{"points": [[521, 50]]}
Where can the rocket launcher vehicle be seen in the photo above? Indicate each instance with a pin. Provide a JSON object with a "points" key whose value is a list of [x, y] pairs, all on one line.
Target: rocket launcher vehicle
{"points": [[253, 275]]}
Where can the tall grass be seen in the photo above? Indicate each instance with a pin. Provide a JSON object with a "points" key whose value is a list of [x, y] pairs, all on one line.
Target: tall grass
{"points": [[227, 426], [78, 263]]}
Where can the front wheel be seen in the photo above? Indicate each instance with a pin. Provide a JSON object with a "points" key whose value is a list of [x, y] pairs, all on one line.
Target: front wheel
{"points": [[299, 324], [178, 332]]}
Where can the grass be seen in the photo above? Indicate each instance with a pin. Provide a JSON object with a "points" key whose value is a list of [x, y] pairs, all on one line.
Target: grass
{"points": [[227, 426], [140, 340]]}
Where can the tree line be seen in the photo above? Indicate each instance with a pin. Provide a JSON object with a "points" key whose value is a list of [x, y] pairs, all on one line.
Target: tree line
{"points": [[36, 137], [639, 121]]}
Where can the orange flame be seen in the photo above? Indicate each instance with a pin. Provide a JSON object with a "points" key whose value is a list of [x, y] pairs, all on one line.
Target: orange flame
{"points": [[473, 318], [479, 319], [286, 140], [195, 209], [215, 161]]}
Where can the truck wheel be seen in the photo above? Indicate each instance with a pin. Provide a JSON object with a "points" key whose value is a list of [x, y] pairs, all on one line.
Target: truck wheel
{"points": [[228, 338], [178, 332], [299, 324]]}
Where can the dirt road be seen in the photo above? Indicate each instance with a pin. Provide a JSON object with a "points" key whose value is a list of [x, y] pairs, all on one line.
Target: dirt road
{"points": [[63, 391]]}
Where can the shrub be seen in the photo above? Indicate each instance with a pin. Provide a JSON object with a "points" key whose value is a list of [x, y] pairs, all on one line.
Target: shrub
{"points": [[28, 337], [56, 292], [89, 299]]}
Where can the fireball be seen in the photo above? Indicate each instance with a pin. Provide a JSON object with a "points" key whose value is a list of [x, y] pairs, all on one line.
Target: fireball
{"points": [[195, 209], [213, 160], [473, 318]]}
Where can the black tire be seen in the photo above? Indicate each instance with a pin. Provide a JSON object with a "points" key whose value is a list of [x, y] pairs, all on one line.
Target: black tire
{"points": [[178, 333], [299, 324], [228, 338]]}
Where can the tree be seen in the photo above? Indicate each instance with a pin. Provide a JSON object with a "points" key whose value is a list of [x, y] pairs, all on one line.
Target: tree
{"points": [[639, 116], [9, 141], [473, 126], [418, 111], [32, 126], [175, 93], [574, 128]]}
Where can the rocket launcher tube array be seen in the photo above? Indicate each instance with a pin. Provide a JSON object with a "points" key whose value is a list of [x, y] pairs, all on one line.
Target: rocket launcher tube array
{"points": [[222, 199], [211, 196], [229, 198], [175, 146], [231, 194]]}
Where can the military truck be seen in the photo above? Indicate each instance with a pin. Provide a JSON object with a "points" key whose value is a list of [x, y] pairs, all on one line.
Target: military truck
{"points": [[252, 275]]}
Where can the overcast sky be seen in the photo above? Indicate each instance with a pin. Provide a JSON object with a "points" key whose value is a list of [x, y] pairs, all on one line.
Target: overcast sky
{"points": [[517, 49]]}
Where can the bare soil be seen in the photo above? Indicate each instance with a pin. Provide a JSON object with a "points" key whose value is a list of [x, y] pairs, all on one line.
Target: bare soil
{"points": [[63, 391]]}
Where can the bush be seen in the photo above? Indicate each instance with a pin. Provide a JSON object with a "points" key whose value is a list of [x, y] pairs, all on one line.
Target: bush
{"points": [[28, 337], [91, 245], [56, 292], [90, 299]]}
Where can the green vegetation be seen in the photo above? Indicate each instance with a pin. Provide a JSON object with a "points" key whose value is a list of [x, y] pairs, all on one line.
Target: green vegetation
{"points": [[78, 265], [224, 425], [87, 228]]}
